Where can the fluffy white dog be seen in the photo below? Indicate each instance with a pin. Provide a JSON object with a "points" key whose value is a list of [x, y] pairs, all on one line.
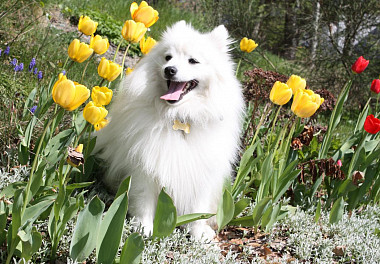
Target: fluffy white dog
{"points": [[188, 79]]}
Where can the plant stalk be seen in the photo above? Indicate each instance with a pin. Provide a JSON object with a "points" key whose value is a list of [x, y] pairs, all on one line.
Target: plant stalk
{"points": [[122, 64]]}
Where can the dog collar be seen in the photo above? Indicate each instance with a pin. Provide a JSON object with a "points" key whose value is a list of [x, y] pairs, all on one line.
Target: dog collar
{"points": [[178, 125]]}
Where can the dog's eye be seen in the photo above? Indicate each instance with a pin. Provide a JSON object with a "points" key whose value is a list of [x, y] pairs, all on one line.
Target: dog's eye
{"points": [[168, 58], [193, 61]]}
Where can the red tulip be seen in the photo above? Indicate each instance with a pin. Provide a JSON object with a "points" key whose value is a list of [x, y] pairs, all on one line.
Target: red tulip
{"points": [[372, 124], [375, 86], [360, 65]]}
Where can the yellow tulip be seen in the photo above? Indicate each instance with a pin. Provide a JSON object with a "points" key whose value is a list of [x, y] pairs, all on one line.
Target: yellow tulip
{"points": [[248, 45], [68, 94], [94, 113], [128, 71], [101, 95], [99, 45], [146, 44], [133, 31], [144, 13], [79, 51], [108, 69], [87, 26], [101, 124], [295, 82], [280, 93], [306, 103]]}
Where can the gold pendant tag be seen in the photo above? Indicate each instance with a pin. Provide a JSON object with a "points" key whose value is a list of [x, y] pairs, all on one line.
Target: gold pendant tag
{"points": [[181, 126]]}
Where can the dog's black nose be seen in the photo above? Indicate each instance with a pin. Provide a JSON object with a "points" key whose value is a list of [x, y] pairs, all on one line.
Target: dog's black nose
{"points": [[170, 71]]}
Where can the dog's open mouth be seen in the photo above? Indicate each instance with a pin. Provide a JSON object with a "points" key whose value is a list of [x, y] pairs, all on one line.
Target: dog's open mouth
{"points": [[177, 90]]}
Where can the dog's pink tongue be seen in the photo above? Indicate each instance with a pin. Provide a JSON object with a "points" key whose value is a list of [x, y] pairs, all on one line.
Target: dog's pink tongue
{"points": [[174, 92]]}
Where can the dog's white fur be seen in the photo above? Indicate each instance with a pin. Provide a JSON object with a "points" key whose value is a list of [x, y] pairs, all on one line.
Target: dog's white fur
{"points": [[140, 141]]}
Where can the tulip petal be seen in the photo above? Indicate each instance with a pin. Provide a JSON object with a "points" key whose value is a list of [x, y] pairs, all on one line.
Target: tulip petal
{"points": [[81, 95]]}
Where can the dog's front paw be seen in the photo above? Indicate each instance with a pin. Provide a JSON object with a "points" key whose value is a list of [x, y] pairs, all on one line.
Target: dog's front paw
{"points": [[202, 232]]}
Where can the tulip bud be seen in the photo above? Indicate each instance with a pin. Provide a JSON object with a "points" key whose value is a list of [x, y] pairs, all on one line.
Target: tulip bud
{"points": [[372, 124], [359, 65], [280, 93], [133, 31], [68, 94], [108, 69], [87, 26], [79, 51], [98, 44], [375, 86], [143, 13], [101, 95], [306, 103], [248, 45], [295, 82], [100, 125], [94, 113], [146, 45]]}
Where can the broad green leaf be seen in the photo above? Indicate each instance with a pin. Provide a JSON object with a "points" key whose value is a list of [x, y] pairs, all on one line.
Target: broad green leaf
{"points": [[29, 102], [32, 245], [369, 159], [266, 175], [242, 221], [78, 185], [357, 195], [337, 211], [188, 218], [37, 178], [132, 249], [274, 216], [241, 205], [16, 213], [225, 211], [266, 216], [346, 146], [236, 188], [284, 184], [111, 229], [166, 216], [23, 154], [334, 119], [316, 184], [86, 230], [11, 189], [318, 212], [363, 115], [4, 211], [257, 212], [79, 124], [90, 147], [33, 212], [124, 187]]}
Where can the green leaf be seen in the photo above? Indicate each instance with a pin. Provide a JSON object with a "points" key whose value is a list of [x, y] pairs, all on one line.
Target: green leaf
{"points": [[124, 187], [243, 221], [111, 229], [225, 211], [32, 245], [334, 119], [37, 178], [337, 211], [241, 205], [78, 185], [86, 230], [132, 249], [257, 212], [33, 212], [284, 184], [90, 147], [11, 189], [316, 184], [188, 218], [318, 212], [274, 216], [16, 213], [166, 216], [363, 115], [29, 102], [79, 124], [266, 216]]}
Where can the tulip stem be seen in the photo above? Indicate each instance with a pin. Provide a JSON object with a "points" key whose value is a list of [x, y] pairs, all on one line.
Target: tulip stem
{"points": [[377, 101], [85, 67], [27, 190], [122, 64], [237, 68], [274, 123], [117, 50], [101, 82], [265, 112], [64, 65], [69, 67], [86, 154]]}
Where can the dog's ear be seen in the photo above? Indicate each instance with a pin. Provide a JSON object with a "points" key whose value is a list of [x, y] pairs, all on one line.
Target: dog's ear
{"points": [[221, 38]]}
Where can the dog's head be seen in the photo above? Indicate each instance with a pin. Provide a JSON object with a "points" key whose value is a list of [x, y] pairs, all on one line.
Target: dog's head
{"points": [[187, 72]]}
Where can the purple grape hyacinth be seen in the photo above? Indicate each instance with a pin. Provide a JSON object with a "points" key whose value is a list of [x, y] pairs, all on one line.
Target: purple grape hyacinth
{"points": [[33, 109], [14, 62], [32, 64], [21, 67], [35, 71], [39, 76], [6, 51]]}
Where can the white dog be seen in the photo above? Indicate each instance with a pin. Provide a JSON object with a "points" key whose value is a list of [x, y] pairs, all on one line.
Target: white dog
{"points": [[188, 79]]}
